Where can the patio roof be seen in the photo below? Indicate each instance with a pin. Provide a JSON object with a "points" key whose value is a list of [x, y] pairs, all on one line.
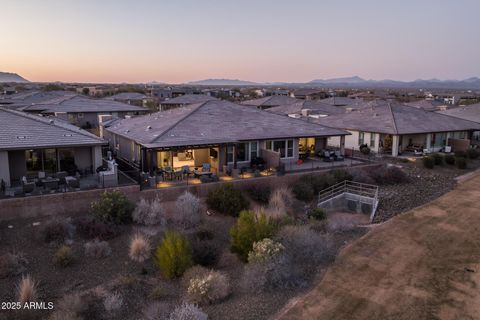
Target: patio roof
{"points": [[313, 105], [19, 130], [470, 112], [395, 118], [214, 122]]}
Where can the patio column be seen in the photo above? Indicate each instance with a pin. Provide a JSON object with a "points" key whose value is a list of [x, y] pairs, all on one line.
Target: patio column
{"points": [[97, 157], [342, 145], [4, 168], [395, 143], [447, 139], [429, 141], [234, 156]]}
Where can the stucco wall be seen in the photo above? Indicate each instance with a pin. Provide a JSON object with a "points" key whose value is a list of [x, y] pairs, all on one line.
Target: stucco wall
{"points": [[83, 157], [18, 166], [4, 168]]}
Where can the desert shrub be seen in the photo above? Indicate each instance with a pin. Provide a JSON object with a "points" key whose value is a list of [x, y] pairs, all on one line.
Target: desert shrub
{"points": [[12, 264], [174, 255], [364, 149], [303, 191], [114, 207], [249, 229], [157, 310], [89, 228], [97, 249], [260, 192], [205, 252], [204, 234], [473, 153], [149, 212], [27, 289], [461, 163], [63, 257], [212, 287], [264, 250], [388, 175], [55, 231], [317, 214], [188, 312], [188, 213], [362, 176], [227, 200], [70, 307], [319, 182], [139, 249], [460, 154], [450, 159], [340, 175], [437, 158], [112, 302], [280, 203]]}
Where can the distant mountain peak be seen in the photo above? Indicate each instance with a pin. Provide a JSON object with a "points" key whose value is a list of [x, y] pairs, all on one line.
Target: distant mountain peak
{"points": [[223, 82], [11, 77]]}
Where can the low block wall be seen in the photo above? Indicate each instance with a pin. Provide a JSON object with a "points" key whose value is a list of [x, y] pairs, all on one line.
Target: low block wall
{"points": [[79, 202]]}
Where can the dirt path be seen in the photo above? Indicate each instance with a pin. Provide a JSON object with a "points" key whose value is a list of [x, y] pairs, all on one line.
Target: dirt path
{"points": [[424, 264]]}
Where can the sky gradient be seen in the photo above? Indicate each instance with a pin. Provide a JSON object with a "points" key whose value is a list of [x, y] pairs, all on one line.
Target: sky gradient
{"points": [[265, 41]]}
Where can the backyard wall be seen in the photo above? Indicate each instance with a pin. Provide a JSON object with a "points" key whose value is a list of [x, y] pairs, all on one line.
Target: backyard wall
{"points": [[73, 203]]}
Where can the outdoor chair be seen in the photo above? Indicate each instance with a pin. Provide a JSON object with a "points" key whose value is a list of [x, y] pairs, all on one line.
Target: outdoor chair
{"points": [[206, 167], [41, 175], [338, 156], [168, 173], [61, 175], [27, 187], [51, 184], [327, 157], [186, 171], [72, 182]]}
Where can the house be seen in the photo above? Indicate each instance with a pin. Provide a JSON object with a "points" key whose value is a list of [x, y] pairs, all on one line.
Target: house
{"points": [[219, 133], [306, 108], [30, 144], [343, 101], [132, 98], [269, 102], [185, 100], [428, 105], [28, 98], [309, 94], [83, 111], [470, 112], [390, 127]]}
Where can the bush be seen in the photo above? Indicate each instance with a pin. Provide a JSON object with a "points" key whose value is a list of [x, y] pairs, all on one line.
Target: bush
{"points": [[205, 252], [460, 154], [204, 234], [113, 302], [362, 176], [438, 159], [428, 162], [173, 256], [139, 249], [12, 264], [364, 149], [388, 175], [63, 256], [113, 207], [27, 290], [473, 153], [188, 312], [450, 159], [188, 213], [225, 199], [317, 214], [340, 175], [55, 231], [303, 191], [70, 307], [280, 204], [260, 192], [89, 228], [97, 249], [210, 288], [319, 182], [149, 212], [461, 163], [247, 230], [264, 250]]}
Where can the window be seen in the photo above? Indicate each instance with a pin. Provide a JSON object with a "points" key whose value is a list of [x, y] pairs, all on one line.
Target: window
{"points": [[253, 150], [361, 138], [372, 140], [289, 148], [80, 115], [245, 151], [242, 152], [285, 147], [229, 153]]}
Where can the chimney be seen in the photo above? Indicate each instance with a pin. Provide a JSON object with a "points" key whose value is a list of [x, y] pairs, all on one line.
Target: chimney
{"points": [[306, 112]]}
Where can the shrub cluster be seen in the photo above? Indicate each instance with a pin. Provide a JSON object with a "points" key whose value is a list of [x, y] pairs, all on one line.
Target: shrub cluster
{"points": [[90, 228], [205, 252], [387, 175], [473, 153], [279, 204], [188, 213], [139, 249], [149, 212], [174, 255], [211, 287], [264, 250], [63, 256], [55, 231], [188, 311], [27, 289], [438, 159], [247, 230], [461, 163], [317, 214], [113, 207], [308, 186], [112, 302], [428, 162], [97, 249], [260, 192], [364, 149], [227, 200], [450, 159]]}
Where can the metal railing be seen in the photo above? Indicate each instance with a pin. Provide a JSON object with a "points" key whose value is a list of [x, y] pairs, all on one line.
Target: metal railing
{"points": [[361, 189]]}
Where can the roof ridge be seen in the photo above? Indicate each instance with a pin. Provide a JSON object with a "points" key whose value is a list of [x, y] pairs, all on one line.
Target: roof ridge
{"points": [[194, 109], [66, 126], [393, 118]]}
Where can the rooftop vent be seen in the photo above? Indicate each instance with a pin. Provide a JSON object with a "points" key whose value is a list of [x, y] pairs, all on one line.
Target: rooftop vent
{"points": [[68, 135], [21, 137], [127, 131], [51, 121], [149, 127]]}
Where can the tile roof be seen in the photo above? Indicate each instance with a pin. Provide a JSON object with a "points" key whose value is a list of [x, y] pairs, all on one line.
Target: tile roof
{"points": [[470, 112], [213, 122], [342, 101], [127, 96], [79, 103], [271, 101], [395, 118], [189, 99], [19, 130], [27, 98], [427, 105], [315, 106]]}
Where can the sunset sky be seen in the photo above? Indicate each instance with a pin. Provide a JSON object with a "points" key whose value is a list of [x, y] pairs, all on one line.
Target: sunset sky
{"points": [[179, 41]]}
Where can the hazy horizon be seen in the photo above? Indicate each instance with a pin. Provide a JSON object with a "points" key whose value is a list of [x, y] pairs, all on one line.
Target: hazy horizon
{"points": [[268, 41]]}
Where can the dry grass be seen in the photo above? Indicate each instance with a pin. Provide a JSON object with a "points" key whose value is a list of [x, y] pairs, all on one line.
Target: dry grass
{"points": [[97, 249], [280, 203], [209, 288], [27, 289], [140, 248], [113, 302]]}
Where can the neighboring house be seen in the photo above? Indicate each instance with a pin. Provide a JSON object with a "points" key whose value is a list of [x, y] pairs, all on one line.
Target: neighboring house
{"points": [[309, 94], [133, 98], [269, 102], [343, 102], [30, 144], [307, 108], [83, 111], [217, 132], [470, 112], [428, 105], [28, 98], [185, 100], [389, 127]]}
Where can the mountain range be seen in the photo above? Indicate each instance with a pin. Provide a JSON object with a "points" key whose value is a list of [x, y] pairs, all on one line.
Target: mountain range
{"points": [[11, 77], [353, 82]]}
